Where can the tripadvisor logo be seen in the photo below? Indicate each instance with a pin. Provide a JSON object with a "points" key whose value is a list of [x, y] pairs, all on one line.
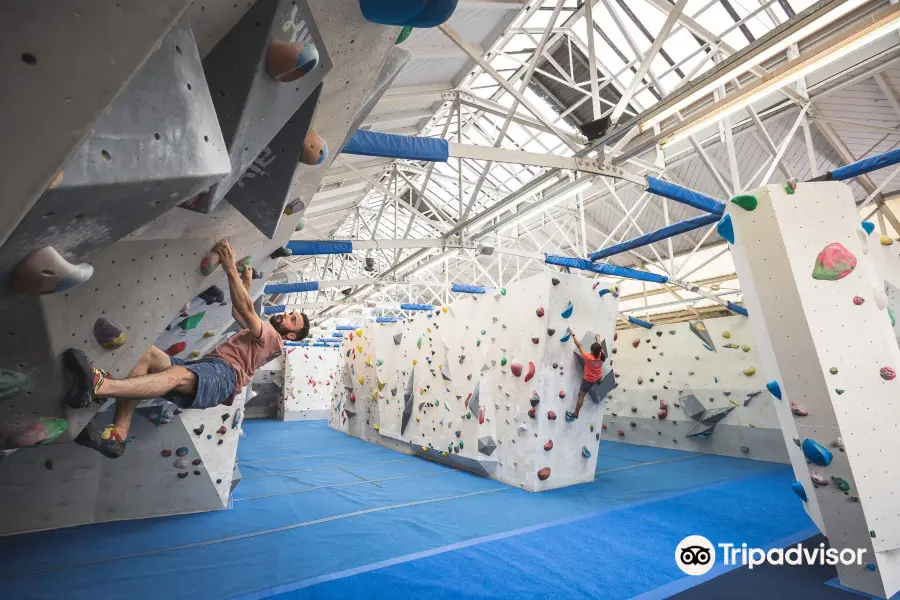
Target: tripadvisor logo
{"points": [[695, 555]]}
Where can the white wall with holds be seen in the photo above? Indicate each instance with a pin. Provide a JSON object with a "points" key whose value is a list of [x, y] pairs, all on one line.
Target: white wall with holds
{"points": [[819, 312], [655, 369], [484, 383], [310, 379]]}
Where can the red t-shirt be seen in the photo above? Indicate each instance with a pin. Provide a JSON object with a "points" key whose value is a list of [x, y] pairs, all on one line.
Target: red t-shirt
{"points": [[593, 367], [246, 353]]}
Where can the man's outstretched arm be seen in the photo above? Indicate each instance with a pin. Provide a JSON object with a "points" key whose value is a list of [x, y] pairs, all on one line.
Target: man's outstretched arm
{"points": [[241, 301], [577, 343], [246, 278]]}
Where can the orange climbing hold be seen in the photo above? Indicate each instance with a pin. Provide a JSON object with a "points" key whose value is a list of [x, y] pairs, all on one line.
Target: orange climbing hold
{"points": [[45, 271], [544, 474]]}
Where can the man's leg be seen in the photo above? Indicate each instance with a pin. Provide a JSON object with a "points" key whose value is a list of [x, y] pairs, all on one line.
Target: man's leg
{"points": [[145, 387], [580, 403], [154, 360]]}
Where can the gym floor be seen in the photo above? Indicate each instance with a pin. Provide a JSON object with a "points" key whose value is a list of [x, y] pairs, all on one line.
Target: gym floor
{"points": [[319, 514]]}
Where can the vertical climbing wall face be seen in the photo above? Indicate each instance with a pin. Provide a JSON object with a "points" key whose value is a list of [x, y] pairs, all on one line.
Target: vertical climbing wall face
{"points": [[311, 376], [474, 384], [804, 263], [656, 368]]}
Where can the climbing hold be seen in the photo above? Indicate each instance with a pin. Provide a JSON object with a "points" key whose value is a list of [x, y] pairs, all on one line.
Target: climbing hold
{"points": [[166, 452], [45, 271], [726, 229], [535, 399], [540, 312], [868, 226], [398, 337], [286, 62], [194, 355], [799, 410], [550, 332], [554, 281], [887, 373], [182, 451], [551, 416], [530, 372], [38, 431], [745, 348], [774, 389], [221, 430], [199, 430], [419, 343], [871, 567], [621, 433], [833, 370], [750, 371], [532, 413], [818, 479], [635, 343], [833, 262], [516, 369], [745, 449], [212, 295], [891, 315], [566, 337], [565, 314], [585, 452], [503, 362], [352, 397], [798, 489], [544, 474], [816, 453], [562, 394], [745, 201], [244, 263], [503, 291], [192, 321], [13, 383], [535, 340], [108, 333], [839, 391], [841, 484], [208, 334], [176, 348], [885, 241], [726, 334], [180, 464], [548, 445]]}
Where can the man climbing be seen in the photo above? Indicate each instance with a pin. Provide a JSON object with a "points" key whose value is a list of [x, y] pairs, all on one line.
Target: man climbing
{"points": [[593, 371], [204, 383]]}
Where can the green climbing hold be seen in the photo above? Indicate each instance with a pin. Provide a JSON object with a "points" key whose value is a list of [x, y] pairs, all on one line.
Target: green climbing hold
{"points": [[419, 343], [477, 342], [841, 483], [379, 362], [833, 262], [503, 362], [404, 33], [891, 315], [483, 331], [13, 383], [502, 291], [461, 445], [39, 431], [839, 391], [745, 201], [833, 370], [192, 321]]}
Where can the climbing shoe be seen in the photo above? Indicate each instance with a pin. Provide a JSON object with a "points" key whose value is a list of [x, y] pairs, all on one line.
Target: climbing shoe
{"points": [[108, 442], [85, 378], [570, 416]]}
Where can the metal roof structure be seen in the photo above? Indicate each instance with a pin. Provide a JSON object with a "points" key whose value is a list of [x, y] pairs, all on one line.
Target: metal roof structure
{"points": [[720, 96]]}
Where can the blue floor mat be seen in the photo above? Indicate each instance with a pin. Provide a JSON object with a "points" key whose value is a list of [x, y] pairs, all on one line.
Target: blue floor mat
{"points": [[374, 505]]}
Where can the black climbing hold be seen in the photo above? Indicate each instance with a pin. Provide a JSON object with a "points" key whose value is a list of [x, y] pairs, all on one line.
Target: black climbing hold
{"points": [[48, 464], [197, 472], [550, 332], [225, 417], [212, 295], [199, 430], [182, 474], [220, 442], [554, 281], [218, 481]]}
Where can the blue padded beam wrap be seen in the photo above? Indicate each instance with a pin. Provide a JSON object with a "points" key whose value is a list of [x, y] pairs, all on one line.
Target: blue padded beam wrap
{"points": [[389, 145], [464, 288], [408, 13], [316, 247], [291, 288], [346, 328], [275, 310], [640, 322], [738, 309], [416, 307], [655, 236], [669, 190], [603, 268], [387, 319], [866, 165]]}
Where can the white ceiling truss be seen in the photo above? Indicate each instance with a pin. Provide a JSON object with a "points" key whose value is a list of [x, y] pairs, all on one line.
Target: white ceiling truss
{"points": [[720, 96]]}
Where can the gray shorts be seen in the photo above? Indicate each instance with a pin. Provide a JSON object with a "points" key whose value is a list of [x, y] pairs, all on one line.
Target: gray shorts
{"points": [[216, 381], [587, 385]]}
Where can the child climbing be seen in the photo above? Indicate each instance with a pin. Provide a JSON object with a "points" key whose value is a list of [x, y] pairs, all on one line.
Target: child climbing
{"points": [[203, 383], [593, 371]]}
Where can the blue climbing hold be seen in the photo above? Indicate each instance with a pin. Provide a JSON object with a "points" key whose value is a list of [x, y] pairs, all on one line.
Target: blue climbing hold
{"points": [[726, 228], [871, 567], [604, 292], [816, 453], [774, 389], [799, 490], [566, 337], [568, 312], [868, 226], [585, 452], [182, 451]]}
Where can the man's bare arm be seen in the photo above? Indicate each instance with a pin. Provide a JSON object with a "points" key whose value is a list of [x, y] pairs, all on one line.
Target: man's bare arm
{"points": [[241, 301], [577, 343], [246, 278]]}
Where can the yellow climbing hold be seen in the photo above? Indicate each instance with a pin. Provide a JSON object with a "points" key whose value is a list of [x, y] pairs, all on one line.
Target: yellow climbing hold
{"points": [[381, 384], [429, 330], [886, 241], [752, 424], [750, 371], [368, 361], [745, 348], [414, 362], [361, 380], [425, 448], [733, 402], [699, 326], [726, 334], [418, 419], [374, 394], [194, 354], [358, 348], [445, 310], [444, 453], [377, 427], [359, 332], [208, 334]]}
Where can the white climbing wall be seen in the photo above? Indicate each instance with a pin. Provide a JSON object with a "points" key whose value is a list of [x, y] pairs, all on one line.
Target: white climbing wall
{"points": [[457, 362], [827, 351], [310, 379], [668, 362]]}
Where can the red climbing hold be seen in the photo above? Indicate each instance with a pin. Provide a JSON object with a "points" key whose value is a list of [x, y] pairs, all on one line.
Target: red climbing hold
{"points": [[887, 373], [635, 343], [530, 373], [621, 433], [516, 369], [858, 300], [196, 462], [540, 312], [481, 415], [544, 474], [221, 430], [548, 445], [562, 394], [551, 415], [166, 452], [662, 413], [352, 397], [176, 348], [535, 340]]}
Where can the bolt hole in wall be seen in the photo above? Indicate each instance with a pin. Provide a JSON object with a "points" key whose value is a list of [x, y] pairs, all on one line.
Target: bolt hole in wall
{"points": [[106, 155]]}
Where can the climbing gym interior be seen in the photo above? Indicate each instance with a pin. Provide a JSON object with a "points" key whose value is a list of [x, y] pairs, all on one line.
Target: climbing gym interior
{"points": [[449, 299]]}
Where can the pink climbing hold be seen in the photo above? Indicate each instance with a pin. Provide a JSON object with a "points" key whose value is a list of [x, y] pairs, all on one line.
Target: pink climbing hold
{"points": [[635, 343], [39, 431], [818, 479], [530, 373], [352, 397], [176, 348], [858, 300], [481, 415], [540, 312], [799, 410], [663, 410], [562, 394], [544, 474], [209, 263], [887, 373], [551, 415], [516, 369], [45, 271], [548, 445], [833, 262]]}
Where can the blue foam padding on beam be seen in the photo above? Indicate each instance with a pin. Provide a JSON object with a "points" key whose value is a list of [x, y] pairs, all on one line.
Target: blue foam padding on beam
{"points": [[389, 145], [737, 309], [655, 236], [640, 322], [387, 319], [684, 195], [346, 328], [274, 310], [416, 307], [317, 247], [866, 165], [408, 13], [468, 289], [291, 288], [603, 268]]}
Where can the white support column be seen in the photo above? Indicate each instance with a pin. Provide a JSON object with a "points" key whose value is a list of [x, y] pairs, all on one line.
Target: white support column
{"points": [[831, 356]]}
